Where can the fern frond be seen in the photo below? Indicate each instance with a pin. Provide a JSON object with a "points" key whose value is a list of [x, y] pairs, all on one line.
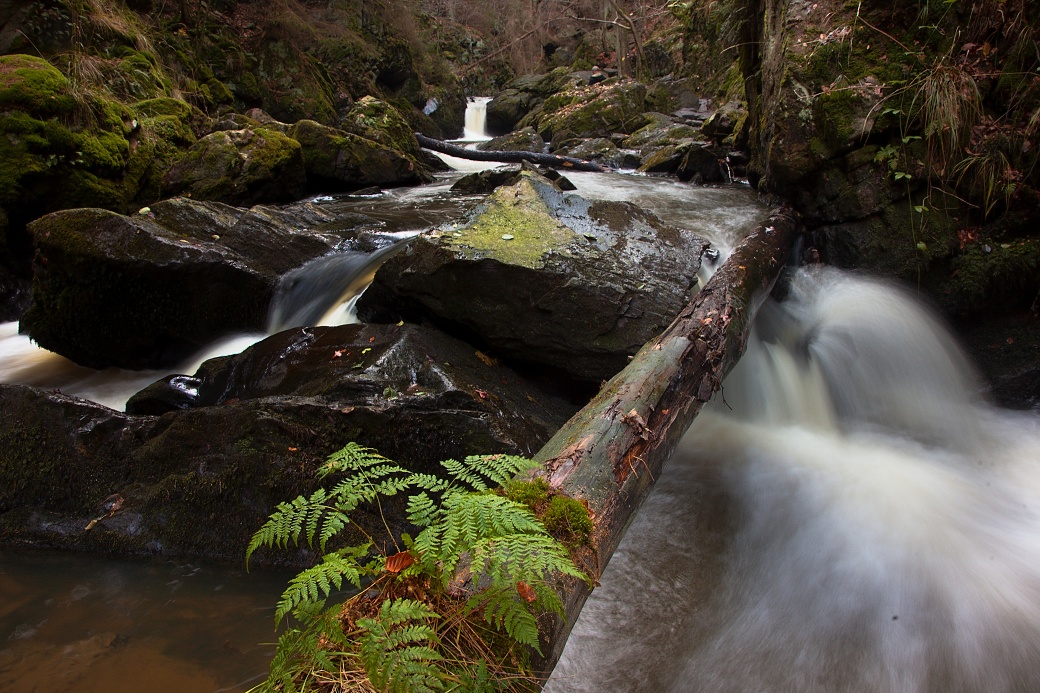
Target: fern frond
{"points": [[421, 510], [462, 472], [429, 482], [289, 520], [313, 585], [397, 650], [351, 458], [527, 557], [500, 469], [505, 610]]}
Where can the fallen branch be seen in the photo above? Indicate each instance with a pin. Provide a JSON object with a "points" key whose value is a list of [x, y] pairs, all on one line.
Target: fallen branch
{"points": [[511, 157], [610, 453]]}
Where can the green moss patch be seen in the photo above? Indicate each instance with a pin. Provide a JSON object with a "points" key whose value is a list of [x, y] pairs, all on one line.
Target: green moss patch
{"points": [[515, 227]]}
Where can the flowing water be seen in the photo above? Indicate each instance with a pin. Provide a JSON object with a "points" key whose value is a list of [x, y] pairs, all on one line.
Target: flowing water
{"points": [[848, 516], [476, 119], [75, 622]]}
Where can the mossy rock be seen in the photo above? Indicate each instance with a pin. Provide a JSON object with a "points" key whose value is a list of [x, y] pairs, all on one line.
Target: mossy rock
{"points": [[523, 140], [183, 111], [600, 110], [544, 277], [240, 167], [35, 86], [380, 122], [337, 160]]}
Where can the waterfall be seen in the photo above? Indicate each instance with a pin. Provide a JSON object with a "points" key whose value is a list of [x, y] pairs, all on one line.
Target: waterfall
{"points": [[848, 515], [476, 119]]}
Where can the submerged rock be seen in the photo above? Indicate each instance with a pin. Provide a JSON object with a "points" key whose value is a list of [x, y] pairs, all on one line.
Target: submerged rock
{"points": [[545, 277], [147, 290], [278, 410]]}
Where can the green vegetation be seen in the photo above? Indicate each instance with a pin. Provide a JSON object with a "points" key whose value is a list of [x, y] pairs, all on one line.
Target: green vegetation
{"points": [[453, 610]]}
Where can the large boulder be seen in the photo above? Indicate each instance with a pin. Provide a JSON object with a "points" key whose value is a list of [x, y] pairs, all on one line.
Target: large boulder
{"points": [[147, 290], [545, 277], [240, 167], [284, 406], [337, 160]]}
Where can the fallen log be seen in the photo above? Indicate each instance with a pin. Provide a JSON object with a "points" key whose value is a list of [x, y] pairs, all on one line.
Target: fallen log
{"points": [[609, 454], [511, 157]]}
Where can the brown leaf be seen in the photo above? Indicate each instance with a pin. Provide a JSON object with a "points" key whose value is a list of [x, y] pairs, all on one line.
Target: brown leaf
{"points": [[526, 591], [488, 360], [399, 561]]}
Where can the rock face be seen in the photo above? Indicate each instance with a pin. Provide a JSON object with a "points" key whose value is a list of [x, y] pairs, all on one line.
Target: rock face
{"points": [[545, 277], [281, 408], [147, 290]]}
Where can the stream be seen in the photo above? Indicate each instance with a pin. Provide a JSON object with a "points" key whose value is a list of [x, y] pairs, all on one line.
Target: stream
{"points": [[849, 515], [77, 622]]}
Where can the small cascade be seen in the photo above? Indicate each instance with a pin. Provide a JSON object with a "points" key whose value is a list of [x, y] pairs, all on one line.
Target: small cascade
{"points": [[476, 119], [848, 515]]}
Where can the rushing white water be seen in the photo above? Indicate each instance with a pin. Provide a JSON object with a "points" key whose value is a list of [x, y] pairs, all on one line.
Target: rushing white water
{"points": [[476, 119], [849, 516]]}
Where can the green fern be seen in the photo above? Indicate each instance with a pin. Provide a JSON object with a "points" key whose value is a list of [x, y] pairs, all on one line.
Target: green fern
{"points": [[313, 585], [501, 542], [396, 651]]}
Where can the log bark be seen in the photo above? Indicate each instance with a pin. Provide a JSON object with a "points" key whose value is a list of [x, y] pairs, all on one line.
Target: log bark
{"points": [[511, 157], [609, 454]]}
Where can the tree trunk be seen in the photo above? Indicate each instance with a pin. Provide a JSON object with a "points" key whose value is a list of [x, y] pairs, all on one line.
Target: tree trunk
{"points": [[609, 454], [514, 157]]}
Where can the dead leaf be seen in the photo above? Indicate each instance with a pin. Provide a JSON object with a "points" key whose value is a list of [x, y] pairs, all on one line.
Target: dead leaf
{"points": [[526, 592], [337, 353], [706, 321], [293, 449], [488, 360], [399, 561]]}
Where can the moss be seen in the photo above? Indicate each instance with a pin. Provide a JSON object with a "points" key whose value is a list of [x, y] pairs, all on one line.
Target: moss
{"points": [[219, 93], [30, 147], [138, 75], [34, 85], [105, 152], [519, 213], [994, 276], [530, 493], [568, 520]]}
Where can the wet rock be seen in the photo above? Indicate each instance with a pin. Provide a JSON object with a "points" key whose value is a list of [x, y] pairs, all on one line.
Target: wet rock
{"points": [[337, 160], [544, 277], [240, 167], [380, 122], [700, 165], [168, 394], [485, 182], [280, 409], [147, 290]]}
